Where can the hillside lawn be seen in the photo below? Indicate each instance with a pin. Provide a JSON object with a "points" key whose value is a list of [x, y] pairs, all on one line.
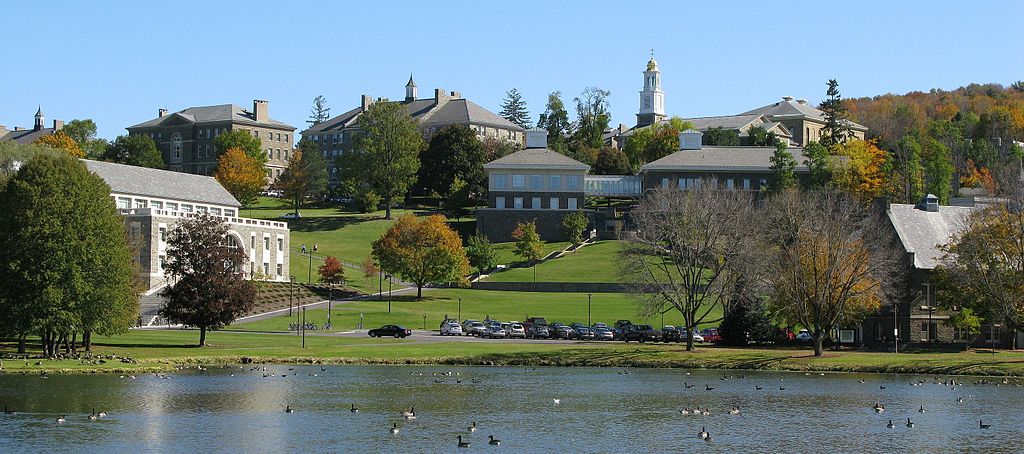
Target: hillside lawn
{"points": [[592, 263]]}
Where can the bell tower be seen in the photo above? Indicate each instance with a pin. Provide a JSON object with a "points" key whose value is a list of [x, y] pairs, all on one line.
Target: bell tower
{"points": [[652, 99], [410, 90], [39, 119]]}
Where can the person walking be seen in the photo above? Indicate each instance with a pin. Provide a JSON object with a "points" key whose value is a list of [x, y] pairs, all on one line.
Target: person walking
{"points": [[315, 247], [303, 248]]}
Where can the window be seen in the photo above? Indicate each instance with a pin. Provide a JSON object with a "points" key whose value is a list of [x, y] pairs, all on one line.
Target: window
{"points": [[729, 184], [215, 211], [763, 183], [517, 203], [553, 203], [535, 182], [156, 204], [286, 137], [252, 242], [572, 203], [176, 146], [278, 137], [554, 182], [200, 209], [746, 184], [252, 267], [279, 270], [124, 203], [161, 261], [229, 213], [535, 203], [255, 133], [681, 184], [499, 202], [186, 208], [270, 136], [518, 181], [664, 183], [171, 206], [163, 234], [266, 243], [500, 181], [266, 269]]}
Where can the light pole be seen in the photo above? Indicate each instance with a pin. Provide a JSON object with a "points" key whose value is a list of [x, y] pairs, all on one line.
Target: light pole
{"points": [[330, 299], [309, 272], [992, 335], [291, 291], [389, 293], [424, 322], [380, 284], [589, 323], [460, 309], [895, 328], [303, 327], [927, 287]]}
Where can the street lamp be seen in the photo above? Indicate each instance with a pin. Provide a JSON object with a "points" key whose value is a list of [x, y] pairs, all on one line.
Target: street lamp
{"points": [[380, 284], [330, 299], [460, 309], [895, 328], [291, 292], [992, 335], [389, 293], [589, 323], [303, 327], [309, 272], [424, 322]]}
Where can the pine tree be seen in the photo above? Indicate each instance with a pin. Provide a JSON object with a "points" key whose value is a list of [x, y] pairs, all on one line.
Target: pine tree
{"points": [[837, 124], [320, 112], [783, 167], [513, 109]]}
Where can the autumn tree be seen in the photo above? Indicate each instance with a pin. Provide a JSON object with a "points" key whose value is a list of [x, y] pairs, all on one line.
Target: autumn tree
{"points": [[573, 225], [481, 253], [453, 152], [721, 137], [513, 109], [555, 120], [61, 141], [837, 124], [783, 168], [386, 153], [305, 176], [208, 289], [134, 150], [241, 175], [862, 173], [239, 138], [422, 251], [688, 252], [319, 113], [528, 243], [830, 261], [331, 272]]}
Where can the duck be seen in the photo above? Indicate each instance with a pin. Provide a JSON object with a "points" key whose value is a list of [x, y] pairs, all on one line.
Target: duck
{"points": [[890, 425], [472, 428], [557, 401], [61, 420], [411, 412], [921, 409], [910, 423], [703, 433], [463, 444], [289, 409], [493, 441], [353, 409], [982, 425], [394, 428]]}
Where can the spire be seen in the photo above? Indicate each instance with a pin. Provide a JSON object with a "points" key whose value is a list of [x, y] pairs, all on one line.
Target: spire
{"points": [[39, 119], [411, 83], [410, 90], [39, 111]]}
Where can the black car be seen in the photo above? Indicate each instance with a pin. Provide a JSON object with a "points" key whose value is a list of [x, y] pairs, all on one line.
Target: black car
{"points": [[671, 334], [390, 330], [641, 333]]}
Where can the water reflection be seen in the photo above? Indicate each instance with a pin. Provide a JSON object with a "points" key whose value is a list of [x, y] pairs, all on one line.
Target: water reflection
{"points": [[600, 410]]}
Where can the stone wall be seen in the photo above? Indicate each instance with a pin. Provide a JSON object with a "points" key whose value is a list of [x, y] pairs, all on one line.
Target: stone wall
{"points": [[552, 287], [497, 224]]}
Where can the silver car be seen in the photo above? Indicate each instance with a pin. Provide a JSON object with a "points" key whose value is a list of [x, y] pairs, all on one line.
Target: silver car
{"points": [[494, 331], [516, 330], [451, 328], [477, 329]]}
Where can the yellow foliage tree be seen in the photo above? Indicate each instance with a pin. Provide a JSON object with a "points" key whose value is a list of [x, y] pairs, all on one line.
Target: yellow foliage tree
{"points": [[862, 172], [422, 251], [241, 174], [61, 141]]}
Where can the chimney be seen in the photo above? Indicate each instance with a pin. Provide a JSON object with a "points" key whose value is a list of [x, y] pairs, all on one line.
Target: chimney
{"points": [[160, 113], [787, 98], [456, 95], [930, 203], [259, 110], [57, 124], [440, 96], [801, 101], [536, 138], [19, 128], [365, 102], [690, 139]]}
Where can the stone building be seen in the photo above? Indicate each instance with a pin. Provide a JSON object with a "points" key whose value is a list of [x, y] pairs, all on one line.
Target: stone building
{"points": [[25, 136], [152, 201], [335, 136], [535, 183], [186, 138], [803, 120]]}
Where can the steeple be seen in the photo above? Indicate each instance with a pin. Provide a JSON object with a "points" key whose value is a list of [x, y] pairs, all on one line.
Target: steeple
{"points": [[39, 119], [652, 99], [410, 90]]}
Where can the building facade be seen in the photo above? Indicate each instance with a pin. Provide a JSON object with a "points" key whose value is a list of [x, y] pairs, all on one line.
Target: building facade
{"points": [[186, 138], [25, 135], [335, 136], [152, 202], [803, 120]]}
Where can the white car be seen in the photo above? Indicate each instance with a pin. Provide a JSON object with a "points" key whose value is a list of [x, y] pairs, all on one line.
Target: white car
{"points": [[493, 332], [697, 337], [291, 216], [516, 330], [804, 336], [451, 328]]}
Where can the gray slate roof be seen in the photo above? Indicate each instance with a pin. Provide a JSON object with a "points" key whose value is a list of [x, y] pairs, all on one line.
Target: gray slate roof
{"points": [[222, 112], [26, 136], [793, 109], [923, 232], [164, 184], [739, 159], [454, 111], [534, 158], [723, 121]]}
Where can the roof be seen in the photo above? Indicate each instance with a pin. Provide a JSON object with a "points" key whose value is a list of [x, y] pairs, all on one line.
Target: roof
{"points": [[426, 113], [739, 159], [724, 121], [530, 158], [26, 136], [923, 232], [165, 184], [789, 108], [222, 112]]}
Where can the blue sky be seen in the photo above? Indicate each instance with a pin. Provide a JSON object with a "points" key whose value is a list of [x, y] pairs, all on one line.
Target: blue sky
{"points": [[118, 62]]}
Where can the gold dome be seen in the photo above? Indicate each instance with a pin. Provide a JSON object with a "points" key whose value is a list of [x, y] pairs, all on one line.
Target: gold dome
{"points": [[652, 65]]}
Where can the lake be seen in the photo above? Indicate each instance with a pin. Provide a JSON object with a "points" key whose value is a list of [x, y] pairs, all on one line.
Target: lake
{"points": [[233, 409]]}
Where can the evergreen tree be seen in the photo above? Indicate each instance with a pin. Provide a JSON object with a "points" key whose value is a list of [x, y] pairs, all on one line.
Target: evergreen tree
{"points": [[555, 120], [720, 137], [612, 161], [454, 153], [837, 124], [783, 168], [513, 109], [320, 112], [818, 164]]}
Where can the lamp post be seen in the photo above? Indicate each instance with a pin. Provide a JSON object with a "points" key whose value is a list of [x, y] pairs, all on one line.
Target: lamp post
{"points": [[927, 287], [309, 272], [291, 291], [424, 322], [589, 323], [380, 284], [992, 335], [330, 299], [460, 309], [895, 328], [303, 327], [389, 293]]}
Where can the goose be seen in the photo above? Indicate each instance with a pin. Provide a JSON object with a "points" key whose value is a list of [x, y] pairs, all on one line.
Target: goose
{"points": [[708, 438], [410, 416], [734, 411], [687, 385], [411, 412], [8, 411], [782, 388], [472, 428], [288, 409], [708, 388], [757, 387], [493, 441], [61, 420], [102, 414], [959, 400], [684, 411], [463, 444], [921, 410], [394, 428], [890, 425], [879, 407], [706, 412], [703, 433], [910, 423], [881, 386], [982, 425], [93, 416], [861, 381], [353, 409]]}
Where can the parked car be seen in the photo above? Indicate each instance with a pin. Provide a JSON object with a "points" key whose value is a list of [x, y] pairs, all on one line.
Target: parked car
{"points": [[600, 325], [390, 330], [477, 329], [711, 335], [536, 331], [603, 334], [671, 334], [466, 326], [641, 333], [493, 332], [451, 328], [561, 332], [576, 325], [292, 215], [697, 337], [620, 328], [584, 333], [515, 330], [804, 336]]}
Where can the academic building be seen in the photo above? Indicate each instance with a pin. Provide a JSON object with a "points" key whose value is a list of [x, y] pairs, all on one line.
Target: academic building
{"points": [[26, 135]]}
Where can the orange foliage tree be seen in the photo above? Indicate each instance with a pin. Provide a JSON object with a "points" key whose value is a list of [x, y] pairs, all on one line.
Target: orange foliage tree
{"points": [[422, 251], [241, 174], [862, 173], [331, 272], [61, 141]]}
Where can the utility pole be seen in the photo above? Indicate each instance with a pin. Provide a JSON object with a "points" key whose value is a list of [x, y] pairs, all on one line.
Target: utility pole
{"points": [[303, 327], [589, 323]]}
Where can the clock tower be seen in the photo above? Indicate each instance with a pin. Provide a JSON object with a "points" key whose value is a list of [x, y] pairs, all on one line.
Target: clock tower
{"points": [[652, 99]]}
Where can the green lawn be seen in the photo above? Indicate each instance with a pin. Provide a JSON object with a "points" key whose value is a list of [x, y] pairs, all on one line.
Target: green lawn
{"points": [[593, 263], [506, 256]]}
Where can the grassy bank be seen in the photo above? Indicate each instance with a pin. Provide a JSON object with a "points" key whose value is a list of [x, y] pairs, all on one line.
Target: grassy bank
{"points": [[166, 349], [592, 263]]}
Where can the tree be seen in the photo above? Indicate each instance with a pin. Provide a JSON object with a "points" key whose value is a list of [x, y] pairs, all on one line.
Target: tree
{"points": [[612, 161], [555, 120], [209, 290], [422, 251], [862, 174], [454, 153], [759, 137], [966, 323], [528, 244], [241, 139], [818, 163], [61, 141], [320, 112], [837, 124], [134, 150], [783, 167], [655, 142], [688, 252], [386, 152], [65, 261], [573, 225], [305, 176], [458, 200], [908, 175], [331, 272], [513, 109], [747, 319], [495, 148], [13, 155], [830, 261], [636, 148], [592, 117], [83, 132], [938, 170], [481, 253], [719, 136], [241, 175]]}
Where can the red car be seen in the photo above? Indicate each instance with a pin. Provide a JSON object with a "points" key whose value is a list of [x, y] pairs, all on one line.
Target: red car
{"points": [[711, 335]]}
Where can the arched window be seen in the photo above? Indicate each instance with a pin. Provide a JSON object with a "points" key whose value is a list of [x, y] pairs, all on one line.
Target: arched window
{"points": [[176, 146]]}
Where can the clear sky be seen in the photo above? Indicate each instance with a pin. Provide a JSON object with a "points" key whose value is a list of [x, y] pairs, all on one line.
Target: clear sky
{"points": [[118, 62]]}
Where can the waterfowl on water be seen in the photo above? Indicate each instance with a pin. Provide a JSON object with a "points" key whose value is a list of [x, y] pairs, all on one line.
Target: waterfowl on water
{"points": [[463, 444], [394, 428], [703, 433], [982, 425], [921, 409], [411, 412], [959, 400], [708, 388], [735, 411], [557, 401], [11, 411], [61, 420], [288, 409], [910, 423], [890, 425], [472, 428], [684, 411], [353, 409], [757, 387], [879, 407], [92, 416], [493, 441]]}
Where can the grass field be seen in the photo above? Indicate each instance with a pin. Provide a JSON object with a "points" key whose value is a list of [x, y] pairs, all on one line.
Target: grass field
{"points": [[593, 263]]}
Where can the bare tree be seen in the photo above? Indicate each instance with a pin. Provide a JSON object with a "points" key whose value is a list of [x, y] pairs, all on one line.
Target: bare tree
{"points": [[689, 253], [831, 261]]}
